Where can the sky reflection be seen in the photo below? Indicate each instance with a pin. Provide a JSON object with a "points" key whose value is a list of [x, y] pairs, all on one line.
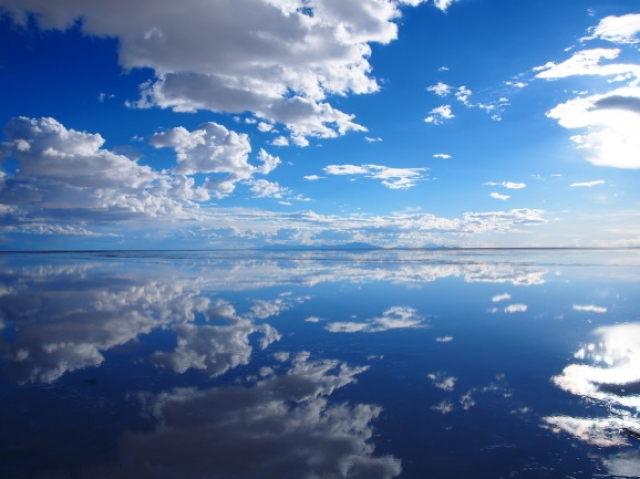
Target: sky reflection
{"points": [[334, 364]]}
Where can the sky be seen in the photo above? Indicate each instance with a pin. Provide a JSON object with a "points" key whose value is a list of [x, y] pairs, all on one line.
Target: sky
{"points": [[200, 124]]}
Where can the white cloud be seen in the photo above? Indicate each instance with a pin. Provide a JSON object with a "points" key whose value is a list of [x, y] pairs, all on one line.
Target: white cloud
{"points": [[48, 150], [439, 114], [611, 121], [372, 140], [443, 4], [444, 339], [267, 189], [589, 183], [212, 148], [588, 62], [396, 317], [444, 156], [498, 196], [280, 141], [623, 29], [516, 308], [591, 308], [267, 57], [65, 173], [264, 127], [501, 297], [463, 95], [394, 178], [440, 89], [312, 177]]}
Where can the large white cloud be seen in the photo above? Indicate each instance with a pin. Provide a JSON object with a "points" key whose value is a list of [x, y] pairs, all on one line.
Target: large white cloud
{"points": [[622, 29], [609, 120], [279, 59], [47, 149], [67, 173], [610, 123]]}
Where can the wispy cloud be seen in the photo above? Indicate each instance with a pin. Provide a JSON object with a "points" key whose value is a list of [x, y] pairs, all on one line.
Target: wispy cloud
{"points": [[394, 178], [589, 183], [624, 29], [507, 184], [498, 196], [501, 297], [590, 308]]}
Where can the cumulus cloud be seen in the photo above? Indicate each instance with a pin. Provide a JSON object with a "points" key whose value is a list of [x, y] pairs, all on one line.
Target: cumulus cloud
{"points": [[438, 115], [396, 317], [610, 123], [47, 150], [443, 4], [212, 148], [278, 60], [66, 173], [394, 178], [267, 189], [440, 89]]}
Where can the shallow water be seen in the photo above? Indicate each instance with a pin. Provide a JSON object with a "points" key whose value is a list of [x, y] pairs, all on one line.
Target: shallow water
{"points": [[320, 364]]}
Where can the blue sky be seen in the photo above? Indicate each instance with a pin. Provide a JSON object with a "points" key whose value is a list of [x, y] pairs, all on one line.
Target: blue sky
{"points": [[250, 123]]}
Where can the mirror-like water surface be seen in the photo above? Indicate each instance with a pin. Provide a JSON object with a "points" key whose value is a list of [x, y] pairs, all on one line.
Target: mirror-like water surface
{"points": [[320, 364]]}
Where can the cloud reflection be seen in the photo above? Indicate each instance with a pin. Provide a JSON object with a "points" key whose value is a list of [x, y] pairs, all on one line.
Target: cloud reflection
{"points": [[610, 375], [215, 349], [283, 426], [396, 317], [64, 320]]}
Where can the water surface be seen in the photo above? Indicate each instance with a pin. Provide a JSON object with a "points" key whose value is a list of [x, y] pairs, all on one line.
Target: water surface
{"points": [[320, 364]]}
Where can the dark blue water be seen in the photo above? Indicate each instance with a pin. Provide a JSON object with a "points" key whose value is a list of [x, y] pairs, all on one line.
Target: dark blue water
{"points": [[320, 364]]}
